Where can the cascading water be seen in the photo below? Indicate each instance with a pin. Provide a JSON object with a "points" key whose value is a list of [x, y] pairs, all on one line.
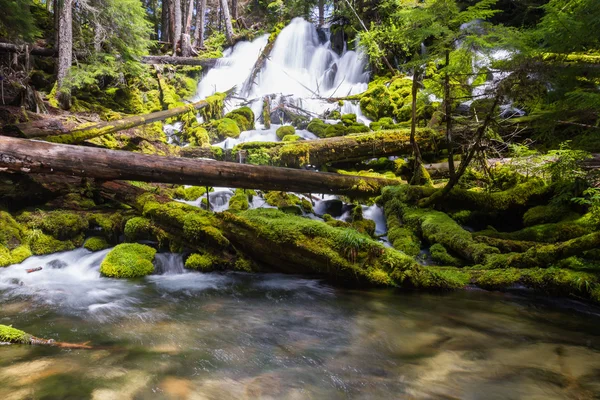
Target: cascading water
{"points": [[301, 71]]}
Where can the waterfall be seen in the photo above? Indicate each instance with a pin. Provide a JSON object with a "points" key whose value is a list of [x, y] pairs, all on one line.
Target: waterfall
{"points": [[301, 70]]}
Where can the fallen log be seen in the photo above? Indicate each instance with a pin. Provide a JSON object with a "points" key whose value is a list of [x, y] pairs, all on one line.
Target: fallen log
{"points": [[193, 61], [39, 128], [21, 155], [324, 151], [103, 128], [34, 51]]}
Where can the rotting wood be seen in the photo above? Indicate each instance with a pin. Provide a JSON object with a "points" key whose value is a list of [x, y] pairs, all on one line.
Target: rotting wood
{"points": [[21, 155]]}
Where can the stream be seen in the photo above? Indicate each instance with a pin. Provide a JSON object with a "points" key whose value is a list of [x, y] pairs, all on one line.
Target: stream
{"points": [[179, 334]]}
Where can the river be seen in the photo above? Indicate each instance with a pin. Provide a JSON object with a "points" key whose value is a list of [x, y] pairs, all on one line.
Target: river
{"points": [[186, 335]]}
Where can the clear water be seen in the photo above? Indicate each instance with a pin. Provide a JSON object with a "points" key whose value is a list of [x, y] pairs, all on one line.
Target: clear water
{"points": [[185, 335]]}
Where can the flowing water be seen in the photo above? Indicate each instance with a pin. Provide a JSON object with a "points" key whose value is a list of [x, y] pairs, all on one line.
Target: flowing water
{"points": [[186, 335]]}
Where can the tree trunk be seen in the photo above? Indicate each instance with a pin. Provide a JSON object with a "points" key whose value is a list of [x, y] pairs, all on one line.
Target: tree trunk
{"points": [[199, 32], [413, 128], [186, 46], [177, 19], [448, 112], [65, 51], [234, 9], [322, 151], [165, 28], [205, 62], [22, 155], [227, 21], [321, 12], [187, 26]]}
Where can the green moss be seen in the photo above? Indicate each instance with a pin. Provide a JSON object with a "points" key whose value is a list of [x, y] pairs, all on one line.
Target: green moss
{"points": [[214, 110], [198, 136], [285, 130], [11, 232], [8, 334], [239, 201], [282, 199], [14, 256], [317, 127], [96, 243], [348, 119], [227, 128], [191, 193], [440, 255], [41, 244], [498, 279], [335, 114], [63, 225], [245, 265], [200, 262], [244, 117], [139, 228], [291, 138], [128, 260], [544, 214]]}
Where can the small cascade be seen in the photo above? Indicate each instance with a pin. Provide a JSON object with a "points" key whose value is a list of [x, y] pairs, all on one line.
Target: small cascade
{"points": [[168, 264], [376, 214]]}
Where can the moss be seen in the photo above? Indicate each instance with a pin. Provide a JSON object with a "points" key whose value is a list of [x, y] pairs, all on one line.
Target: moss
{"points": [[440, 255], [317, 127], [544, 214], [285, 130], [111, 224], [8, 334], [245, 265], [244, 117], [335, 114], [348, 119], [214, 110], [41, 244], [498, 279], [198, 136], [14, 256], [191, 193], [63, 225], [227, 128], [11, 232], [291, 138], [239, 201], [282, 199], [96, 243], [200, 262], [128, 260], [139, 228]]}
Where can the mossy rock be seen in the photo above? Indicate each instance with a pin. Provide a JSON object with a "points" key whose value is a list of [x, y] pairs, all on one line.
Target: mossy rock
{"points": [[200, 262], [335, 114], [348, 119], [285, 130], [357, 127], [128, 260], [11, 231], [14, 256], [291, 138], [42, 244], [239, 201], [317, 127], [62, 225], [96, 243], [244, 117], [8, 334], [139, 228], [227, 128], [281, 199], [191, 193]]}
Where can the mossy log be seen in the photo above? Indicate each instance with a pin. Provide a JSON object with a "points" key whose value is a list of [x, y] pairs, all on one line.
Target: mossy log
{"points": [[323, 151], [8, 334], [102, 128], [281, 242], [21, 155], [202, 62]]}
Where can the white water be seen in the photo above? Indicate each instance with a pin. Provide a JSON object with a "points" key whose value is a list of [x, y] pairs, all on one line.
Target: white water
{"points": [[300, 71]]}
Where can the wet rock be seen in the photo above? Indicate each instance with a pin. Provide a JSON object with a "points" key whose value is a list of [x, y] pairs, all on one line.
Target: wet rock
{"points": [[335, 208]]}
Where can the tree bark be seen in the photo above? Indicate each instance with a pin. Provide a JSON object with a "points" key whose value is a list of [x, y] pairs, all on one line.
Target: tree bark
{"points": [[22, 155], [321, 12], [65, 51], [448, 112], [187, 26], [165, 28], [205, 62], [177, 19], [413, 128], [227, 21], [234, 9], [199, 32]]}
